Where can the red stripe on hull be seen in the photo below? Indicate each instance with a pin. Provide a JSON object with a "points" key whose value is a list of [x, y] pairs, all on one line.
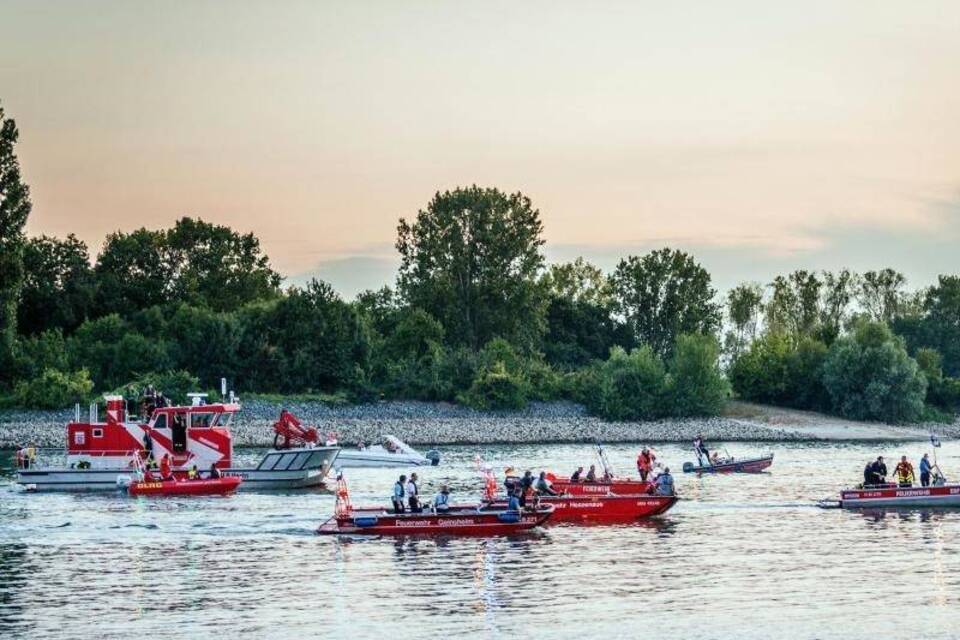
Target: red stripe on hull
{"points": [[220, 486], [619, 486], [609, 509]]}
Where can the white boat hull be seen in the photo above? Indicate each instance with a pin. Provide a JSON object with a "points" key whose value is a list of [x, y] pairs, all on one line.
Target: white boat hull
{"points": [[290, 469], [361, 459]]}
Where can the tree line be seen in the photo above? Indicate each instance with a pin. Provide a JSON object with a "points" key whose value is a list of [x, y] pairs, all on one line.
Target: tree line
{"points": [[476, 316]]}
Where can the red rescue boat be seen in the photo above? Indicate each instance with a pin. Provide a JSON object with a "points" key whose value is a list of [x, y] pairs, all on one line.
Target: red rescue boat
{"points": [[603, 509], [619, 486], [459, 520], [207, 487], [464, 520]]}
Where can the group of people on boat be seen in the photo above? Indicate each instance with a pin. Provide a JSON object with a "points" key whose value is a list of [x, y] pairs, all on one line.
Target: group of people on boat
{"points": [[590, 476], [406, 496], [875, 472]]}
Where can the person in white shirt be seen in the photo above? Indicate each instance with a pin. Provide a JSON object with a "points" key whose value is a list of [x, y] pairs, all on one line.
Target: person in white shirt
{"points": [[413, 494], [441, 501]]}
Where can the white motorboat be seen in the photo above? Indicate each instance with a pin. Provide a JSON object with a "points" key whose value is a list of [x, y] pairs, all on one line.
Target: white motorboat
{"points": [[392, 453]]}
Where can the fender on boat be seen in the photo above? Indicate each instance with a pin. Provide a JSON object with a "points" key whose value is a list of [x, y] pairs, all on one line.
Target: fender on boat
{"points": [[365, 521], [509, 516]]}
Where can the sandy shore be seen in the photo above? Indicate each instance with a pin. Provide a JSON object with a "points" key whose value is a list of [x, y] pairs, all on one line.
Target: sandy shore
{"points": [[423, 423]]}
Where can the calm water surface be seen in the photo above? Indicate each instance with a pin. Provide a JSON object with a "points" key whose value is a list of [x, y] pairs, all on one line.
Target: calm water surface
{"points": [[742, 555]]}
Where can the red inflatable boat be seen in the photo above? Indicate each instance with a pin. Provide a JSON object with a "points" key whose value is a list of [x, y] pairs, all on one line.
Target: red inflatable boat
{"points": [[209, 487]]}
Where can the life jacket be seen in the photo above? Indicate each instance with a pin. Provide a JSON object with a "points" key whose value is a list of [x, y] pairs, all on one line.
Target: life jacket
{"points": [[904, 471]]}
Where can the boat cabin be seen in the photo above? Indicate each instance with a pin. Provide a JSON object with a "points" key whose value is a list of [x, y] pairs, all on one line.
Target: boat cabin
{"points": [[196, 434]]}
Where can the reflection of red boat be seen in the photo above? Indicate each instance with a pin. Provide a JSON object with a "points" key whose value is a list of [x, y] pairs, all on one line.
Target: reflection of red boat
{"points": [[605, 509], [208, 487], [620, 486], [458, 521]]}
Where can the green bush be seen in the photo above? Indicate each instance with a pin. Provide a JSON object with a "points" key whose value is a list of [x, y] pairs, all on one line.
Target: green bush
{"points": [[53, 389], [870, 376], [632, 386], [695, 385], [496, 389]]}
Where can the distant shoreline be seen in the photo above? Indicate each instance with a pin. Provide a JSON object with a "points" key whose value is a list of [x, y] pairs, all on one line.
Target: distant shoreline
{"points": [[424, 423]]}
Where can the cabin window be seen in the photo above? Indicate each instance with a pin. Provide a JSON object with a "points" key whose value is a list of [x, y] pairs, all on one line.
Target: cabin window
{"points": [[285, 462], [160, 422], [299, 461], [79, 437], [98, 433], [317, 460], [201, 419]]}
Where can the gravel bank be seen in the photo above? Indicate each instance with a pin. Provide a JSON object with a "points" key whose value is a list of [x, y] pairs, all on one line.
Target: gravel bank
{"points": [[424, 423]]}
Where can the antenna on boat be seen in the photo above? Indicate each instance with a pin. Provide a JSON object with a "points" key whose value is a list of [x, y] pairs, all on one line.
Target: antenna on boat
{"points": [[607, 469]]}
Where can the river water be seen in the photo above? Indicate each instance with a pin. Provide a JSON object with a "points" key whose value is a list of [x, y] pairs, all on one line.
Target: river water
{"points": [[742, 555]]}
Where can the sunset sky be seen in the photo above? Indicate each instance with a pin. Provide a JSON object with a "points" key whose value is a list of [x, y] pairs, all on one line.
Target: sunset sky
{"points": [[761, 136]]}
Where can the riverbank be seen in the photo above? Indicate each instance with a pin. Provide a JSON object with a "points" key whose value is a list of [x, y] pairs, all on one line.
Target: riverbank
{"points": [[424, 423]]}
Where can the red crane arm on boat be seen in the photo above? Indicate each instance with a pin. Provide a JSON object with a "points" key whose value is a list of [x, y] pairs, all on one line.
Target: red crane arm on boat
{"points": [[290, 433]]}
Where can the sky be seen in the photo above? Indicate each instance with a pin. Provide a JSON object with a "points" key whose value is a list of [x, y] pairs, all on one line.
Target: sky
{"points": [[760, 136]]}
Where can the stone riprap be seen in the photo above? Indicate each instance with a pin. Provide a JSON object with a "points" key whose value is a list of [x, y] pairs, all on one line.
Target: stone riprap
{"points": [[424, 423]]}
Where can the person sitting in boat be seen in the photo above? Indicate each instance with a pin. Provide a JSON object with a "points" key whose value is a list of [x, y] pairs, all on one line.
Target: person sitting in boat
{"points": [[591, 474], [193, 474], [925, 468], [361, 446], [663, 483], [904, 473], [441, 501], [878, 472], [715, 458], [700, 449], [214, 472], [543, 486], [398, 492], [413, 494], [645, 463], [575, 476], [165, 471]]}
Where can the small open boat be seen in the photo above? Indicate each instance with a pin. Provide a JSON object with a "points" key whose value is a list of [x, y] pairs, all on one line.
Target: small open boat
{"points": [[206, 487], [605, 509], [462, 520], [731, 465]]}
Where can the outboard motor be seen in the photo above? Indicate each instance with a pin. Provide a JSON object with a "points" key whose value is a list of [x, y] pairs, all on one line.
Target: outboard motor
{"points": [[688, 467], [433, 456]]}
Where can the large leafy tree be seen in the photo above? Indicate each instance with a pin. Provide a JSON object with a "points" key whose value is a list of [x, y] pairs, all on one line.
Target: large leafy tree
{"points": [[59, 285], [941, 324], [470, 260], [744, 305], [881, 294], [662, 295], [794, 304], [218, 267], [14, 209], [194, 262]]}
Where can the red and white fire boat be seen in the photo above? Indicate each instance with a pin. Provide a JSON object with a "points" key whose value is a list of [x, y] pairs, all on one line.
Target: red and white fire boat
{"points": [[102, 455]]}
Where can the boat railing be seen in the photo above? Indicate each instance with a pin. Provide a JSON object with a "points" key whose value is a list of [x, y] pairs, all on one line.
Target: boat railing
{"points": [[47, 458]]}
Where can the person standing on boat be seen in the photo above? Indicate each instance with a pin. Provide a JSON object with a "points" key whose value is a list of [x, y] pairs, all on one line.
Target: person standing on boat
{"points": [[413, 494], [526, 487], [398, 492], [441, 501], [878, 471], [165, 472], [700, 449], [925, 468], [645, 463], [147, 445], [904, 473]]}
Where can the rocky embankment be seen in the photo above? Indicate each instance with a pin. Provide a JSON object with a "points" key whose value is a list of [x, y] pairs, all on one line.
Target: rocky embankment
{"points": [[425, 423]]}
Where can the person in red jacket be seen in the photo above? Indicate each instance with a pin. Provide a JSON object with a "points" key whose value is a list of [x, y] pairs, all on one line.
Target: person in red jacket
{"points": [[645, 463], [165, 471]]}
